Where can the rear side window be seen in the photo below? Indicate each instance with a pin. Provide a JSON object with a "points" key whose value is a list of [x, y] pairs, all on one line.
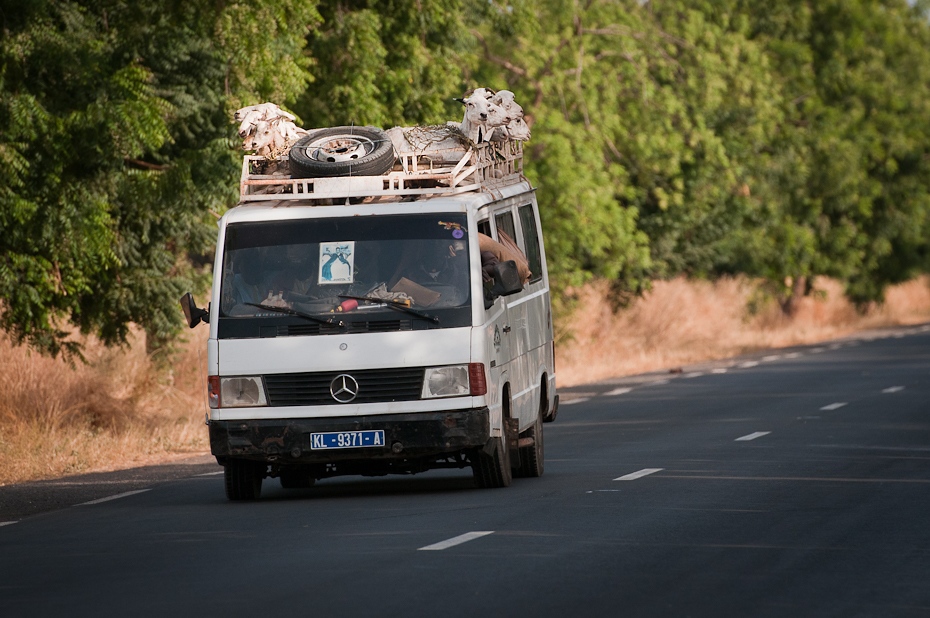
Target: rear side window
{"points": [[504, 221], [531, 241]]}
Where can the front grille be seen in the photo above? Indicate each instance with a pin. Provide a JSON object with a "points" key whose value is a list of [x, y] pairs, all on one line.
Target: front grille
{"points": [[374, 386], [351, 327]]}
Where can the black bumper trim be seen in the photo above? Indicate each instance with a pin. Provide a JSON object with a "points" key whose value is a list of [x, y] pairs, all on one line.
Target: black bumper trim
{"points": [[407, 436]]}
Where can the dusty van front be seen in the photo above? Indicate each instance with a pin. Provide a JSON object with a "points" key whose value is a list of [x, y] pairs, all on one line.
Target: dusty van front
{"points": [[343, 344]]}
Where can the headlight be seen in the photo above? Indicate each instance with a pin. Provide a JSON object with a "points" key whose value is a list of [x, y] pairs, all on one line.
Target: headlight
{"points": [[449, 381], [242, 392]]}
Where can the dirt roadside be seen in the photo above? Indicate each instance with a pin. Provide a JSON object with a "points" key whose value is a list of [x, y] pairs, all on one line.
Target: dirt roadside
{"points": [[27, 499]]}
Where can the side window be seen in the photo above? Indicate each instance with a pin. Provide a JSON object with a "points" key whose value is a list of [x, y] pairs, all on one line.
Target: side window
{"points": [[484, 227], [504, 223], [531, 241]]}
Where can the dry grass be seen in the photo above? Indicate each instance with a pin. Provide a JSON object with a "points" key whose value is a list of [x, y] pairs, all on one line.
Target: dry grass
{"points": [[119, 410], [681, 322]]}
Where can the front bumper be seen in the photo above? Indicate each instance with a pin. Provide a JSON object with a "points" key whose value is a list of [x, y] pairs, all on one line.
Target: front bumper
{"points": [[407, 436]]}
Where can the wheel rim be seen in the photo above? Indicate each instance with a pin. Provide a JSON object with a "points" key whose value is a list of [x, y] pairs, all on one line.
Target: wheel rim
{"points": [[340, 148]]}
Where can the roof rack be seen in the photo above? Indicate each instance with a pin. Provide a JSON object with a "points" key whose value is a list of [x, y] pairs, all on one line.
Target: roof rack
{"points": [[486, 166]]}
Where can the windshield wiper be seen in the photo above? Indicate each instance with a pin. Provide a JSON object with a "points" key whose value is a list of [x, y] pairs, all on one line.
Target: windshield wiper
{"points": [[395, 305], [299, 314]]}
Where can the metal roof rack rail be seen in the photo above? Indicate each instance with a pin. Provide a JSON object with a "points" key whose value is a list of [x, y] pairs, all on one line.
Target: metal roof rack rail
{"points": [[486, 166]]}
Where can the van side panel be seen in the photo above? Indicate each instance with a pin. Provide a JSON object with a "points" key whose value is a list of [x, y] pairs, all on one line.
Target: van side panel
{"points": [[527, 330]]}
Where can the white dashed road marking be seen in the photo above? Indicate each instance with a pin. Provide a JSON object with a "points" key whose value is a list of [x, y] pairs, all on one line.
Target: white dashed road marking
{"points": [[748, 364], [210, 473], [457, 540], [694, 374], [618, 391], [834, 406], [753, 436], [7, 523], [893, 389], [719, 370], [770, 358], [116, 497], [638, 475], [574, 401]]}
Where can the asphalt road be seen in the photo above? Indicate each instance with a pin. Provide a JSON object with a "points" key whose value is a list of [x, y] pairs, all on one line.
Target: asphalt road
{"points": [[792, 483]]}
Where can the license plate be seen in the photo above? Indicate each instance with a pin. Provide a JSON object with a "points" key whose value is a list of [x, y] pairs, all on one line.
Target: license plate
{"points": [[347, 439]]}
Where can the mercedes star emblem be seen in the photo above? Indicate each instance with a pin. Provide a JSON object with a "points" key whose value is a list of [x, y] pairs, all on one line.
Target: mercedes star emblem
{"points": [[343, 388]]}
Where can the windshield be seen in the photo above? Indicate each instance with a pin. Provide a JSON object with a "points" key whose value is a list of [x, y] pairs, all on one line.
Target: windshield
{"points": [[311, 266]]}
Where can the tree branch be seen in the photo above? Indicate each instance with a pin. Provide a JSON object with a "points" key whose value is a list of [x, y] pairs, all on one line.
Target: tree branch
{"points": [[145, 165]]}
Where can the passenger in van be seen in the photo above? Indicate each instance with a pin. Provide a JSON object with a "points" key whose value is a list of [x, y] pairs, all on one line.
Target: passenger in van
{"points": [[435, 262], [268, 276], [300, 276], [439, 265], [249, 281]]}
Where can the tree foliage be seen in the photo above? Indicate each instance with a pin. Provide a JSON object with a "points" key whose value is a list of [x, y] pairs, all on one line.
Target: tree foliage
{"points": [[784, 140], [653, 118], [385, 63], [115, 139], [847, 195]]}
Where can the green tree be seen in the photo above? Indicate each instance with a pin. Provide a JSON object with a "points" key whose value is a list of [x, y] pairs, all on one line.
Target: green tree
{"points": [[845, 193], [783, 140], [115, 135], [385, 63], [645, 126]]}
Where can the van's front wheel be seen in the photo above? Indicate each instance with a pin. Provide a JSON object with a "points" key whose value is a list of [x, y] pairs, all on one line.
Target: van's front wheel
{"points": [[491, 465], [243, 479]]}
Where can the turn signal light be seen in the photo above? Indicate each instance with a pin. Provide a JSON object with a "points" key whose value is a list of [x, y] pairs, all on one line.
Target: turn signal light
{"points": [[477, 379], [213, 391]]}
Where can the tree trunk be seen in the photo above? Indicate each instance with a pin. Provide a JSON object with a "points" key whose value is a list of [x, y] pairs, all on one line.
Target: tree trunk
{"points": [[792, 303]]}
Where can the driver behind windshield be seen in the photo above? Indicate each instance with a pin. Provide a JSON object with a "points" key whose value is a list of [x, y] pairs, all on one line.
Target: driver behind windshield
{"points": [[441, 266]]}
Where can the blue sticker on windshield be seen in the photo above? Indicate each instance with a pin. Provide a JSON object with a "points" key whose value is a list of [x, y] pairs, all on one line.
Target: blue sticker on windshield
{"points": [[337, 262]]}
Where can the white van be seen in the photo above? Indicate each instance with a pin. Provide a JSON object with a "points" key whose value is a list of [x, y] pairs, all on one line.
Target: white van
{"points": [[354, 329]]}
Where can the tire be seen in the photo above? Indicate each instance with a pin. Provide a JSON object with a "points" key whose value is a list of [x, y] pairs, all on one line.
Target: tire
{"points": [[342, 151], [532, 458], [491, 465], [243, 479], [296, 478], [551, 414]]}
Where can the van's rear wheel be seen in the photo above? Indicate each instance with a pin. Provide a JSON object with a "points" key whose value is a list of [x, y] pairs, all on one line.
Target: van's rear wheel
{"points": [[491, 465], [243, 479], [532, 457]]}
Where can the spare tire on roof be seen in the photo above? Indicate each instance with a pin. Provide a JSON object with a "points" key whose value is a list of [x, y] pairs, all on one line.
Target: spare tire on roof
{"points": [[342, 151]]}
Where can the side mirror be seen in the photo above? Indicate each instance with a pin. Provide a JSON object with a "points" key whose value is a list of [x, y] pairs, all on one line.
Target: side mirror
{"points": [[506, 279], [192, 313]]}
